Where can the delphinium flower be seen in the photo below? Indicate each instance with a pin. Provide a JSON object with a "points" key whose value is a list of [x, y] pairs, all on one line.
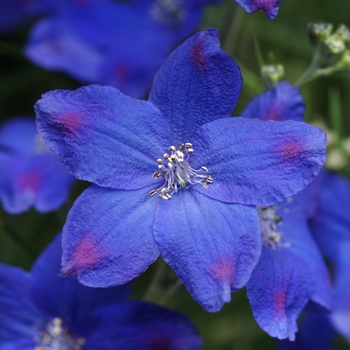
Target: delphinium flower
{"points": [[291, 271], [331, 229], [15, 13], [315, 332], [209, 171], [120, 44], [42, 311], [269, 6], [30, 174]]}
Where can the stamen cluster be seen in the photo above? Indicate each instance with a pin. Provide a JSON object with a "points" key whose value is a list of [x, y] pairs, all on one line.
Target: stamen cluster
{"points": [[178, 173], [56, 337], [269, 222]]}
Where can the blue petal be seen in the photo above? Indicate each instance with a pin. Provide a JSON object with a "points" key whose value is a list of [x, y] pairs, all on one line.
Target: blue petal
{"points": [[340, 316], [212, 246], [38, 180], [198, 83], [108, 239], [103, 136], [54, 45], [19, 318], [283, 102], [278, 290], [66, 298], [315, 332], [297, 235], [331, 224], [18, 12], [269, 6], [143, 326], [18, 135], [258, 162]]}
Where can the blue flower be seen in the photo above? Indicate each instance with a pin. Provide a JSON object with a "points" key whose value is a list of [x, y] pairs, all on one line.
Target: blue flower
{"points": [[43, 311], [331, 229], [209, 171], [113, 43], [30, 174], [269, 6], [316, 332], [291, 271], [17, 12]]}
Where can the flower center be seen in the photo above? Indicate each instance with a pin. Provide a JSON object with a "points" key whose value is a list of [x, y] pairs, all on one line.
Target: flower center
{"points": [[177, 172], [168, 12], [55, 337], [270, 223]]}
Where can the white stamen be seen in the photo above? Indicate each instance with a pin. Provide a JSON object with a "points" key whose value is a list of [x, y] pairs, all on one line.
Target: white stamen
{"points": [[178, 173], [56, 337], [270, 224]]}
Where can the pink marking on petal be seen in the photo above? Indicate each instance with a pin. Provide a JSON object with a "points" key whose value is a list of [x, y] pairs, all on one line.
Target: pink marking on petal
{"points": [[159, 342], [122, 72], [86, 254], [198, 55], [280, 302], [28, 181], [291, 150], [223, 270], [273, 114], [70, 121]]}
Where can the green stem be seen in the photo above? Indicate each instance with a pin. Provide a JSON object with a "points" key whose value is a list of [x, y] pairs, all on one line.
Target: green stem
{"points": [[311, 72], [154, 288], [230, 42], [170, 292]]}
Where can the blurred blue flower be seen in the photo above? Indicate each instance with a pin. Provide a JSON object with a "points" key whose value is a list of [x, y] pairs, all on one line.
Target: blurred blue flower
{"points": [[197, 209], [121, 44], [30, 174], [331, 228], [315, 332], [291, 271], [40, 310], [269, 6]]}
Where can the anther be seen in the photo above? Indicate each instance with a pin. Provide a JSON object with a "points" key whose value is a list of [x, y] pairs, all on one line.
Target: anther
{"points": [[159, 161], [153, 192], [204, 168], [172, 148], [190, 150], [166, 156], [181, 147], [188, 145]]}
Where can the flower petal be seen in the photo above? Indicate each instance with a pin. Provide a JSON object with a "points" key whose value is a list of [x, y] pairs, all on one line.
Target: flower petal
{"points": [[38, 180], [258, 162], [278, 290], [298, 236], [18, 135], [283, 102], [269, 6], [212, 246], [108, 239], [340, 317], [143, 326], [17, 313], [331, 224], [198, 83], [66, 298], [103, 136]]}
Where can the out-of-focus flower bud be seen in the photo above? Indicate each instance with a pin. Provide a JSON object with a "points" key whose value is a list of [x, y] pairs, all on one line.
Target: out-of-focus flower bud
{"points": [[272, 73], [335, 44], [319, 32]]}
